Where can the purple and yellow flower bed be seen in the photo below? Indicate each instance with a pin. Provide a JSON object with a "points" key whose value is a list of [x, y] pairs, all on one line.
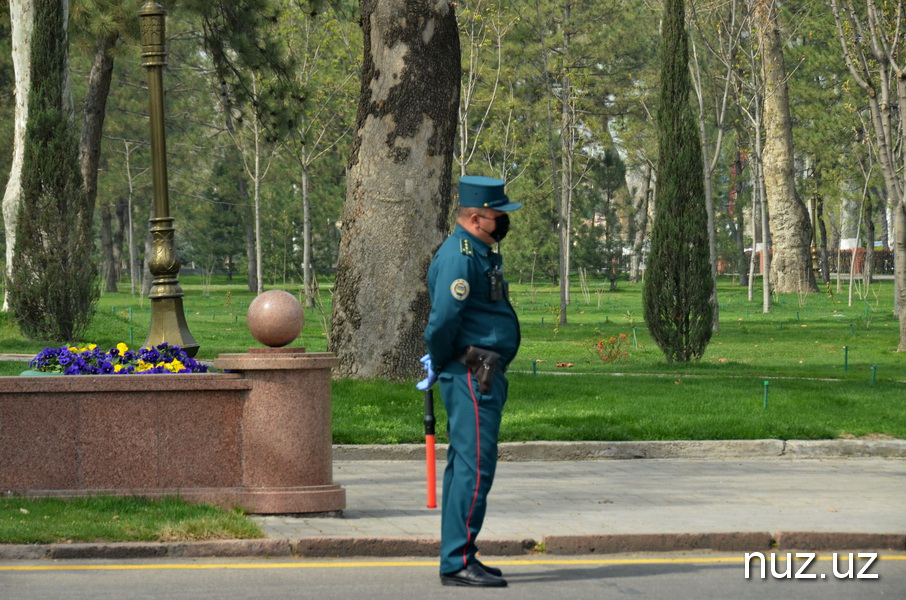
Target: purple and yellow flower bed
{"points": [[91, 360]]}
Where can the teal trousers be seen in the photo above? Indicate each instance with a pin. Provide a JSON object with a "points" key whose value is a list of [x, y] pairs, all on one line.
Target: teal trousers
{"points": [[473, 425]]}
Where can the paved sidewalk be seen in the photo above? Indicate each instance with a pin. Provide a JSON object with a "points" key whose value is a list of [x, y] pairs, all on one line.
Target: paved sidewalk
{"points": [[741, 496], [606, 505]]}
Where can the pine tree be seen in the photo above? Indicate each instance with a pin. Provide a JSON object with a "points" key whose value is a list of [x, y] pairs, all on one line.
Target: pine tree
{"points": [[53, 286], [678, 285]]}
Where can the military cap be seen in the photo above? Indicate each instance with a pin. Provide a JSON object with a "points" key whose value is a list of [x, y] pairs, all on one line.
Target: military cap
{"points": [[484, 192]]}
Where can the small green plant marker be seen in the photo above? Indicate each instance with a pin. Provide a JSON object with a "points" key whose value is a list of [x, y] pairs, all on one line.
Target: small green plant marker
{"points": [[766, 384], [852, 329], [874, 374], [635, 341], [131, 336], [535, 368], [845, 359]]}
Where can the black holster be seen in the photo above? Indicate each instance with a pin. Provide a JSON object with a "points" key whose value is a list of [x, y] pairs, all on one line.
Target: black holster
{"points": [[482, 363]]}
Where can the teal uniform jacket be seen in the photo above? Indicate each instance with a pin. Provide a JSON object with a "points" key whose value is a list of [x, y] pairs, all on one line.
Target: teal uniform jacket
{"points": [[463, 314]]}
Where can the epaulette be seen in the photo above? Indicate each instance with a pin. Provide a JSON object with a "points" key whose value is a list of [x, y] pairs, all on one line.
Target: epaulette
{"points": [[465, 246]]}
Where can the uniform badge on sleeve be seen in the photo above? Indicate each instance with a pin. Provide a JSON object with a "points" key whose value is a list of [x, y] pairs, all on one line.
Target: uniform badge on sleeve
{"points": [[460, 289]]}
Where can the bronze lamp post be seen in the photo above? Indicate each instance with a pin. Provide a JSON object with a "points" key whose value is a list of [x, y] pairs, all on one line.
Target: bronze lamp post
{"points": [[168, 321]]}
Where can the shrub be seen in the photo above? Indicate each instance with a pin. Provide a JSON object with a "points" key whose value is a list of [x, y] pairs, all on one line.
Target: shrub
{"points": [[678, 284], [53, 286]]}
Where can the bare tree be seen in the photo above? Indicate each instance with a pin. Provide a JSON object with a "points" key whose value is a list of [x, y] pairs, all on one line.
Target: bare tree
{"points": [[729, 31], [482, 28], [253, 149], [872, 39], [749, 88]]}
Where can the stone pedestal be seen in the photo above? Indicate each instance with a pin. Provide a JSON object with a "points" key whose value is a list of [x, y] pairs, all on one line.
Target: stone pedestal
{"points": [[287, 437], [258, 437]]}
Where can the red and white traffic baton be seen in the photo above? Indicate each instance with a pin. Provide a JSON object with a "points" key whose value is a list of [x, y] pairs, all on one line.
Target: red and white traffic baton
{"points": [[430, 464]]}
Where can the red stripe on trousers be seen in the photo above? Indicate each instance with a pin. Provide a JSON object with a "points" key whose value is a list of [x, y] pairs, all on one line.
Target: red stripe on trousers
{"points": [[477, 471]]}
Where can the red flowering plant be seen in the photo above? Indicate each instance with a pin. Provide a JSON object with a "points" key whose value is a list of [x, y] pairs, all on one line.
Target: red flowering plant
{"points": [[611, 349]]}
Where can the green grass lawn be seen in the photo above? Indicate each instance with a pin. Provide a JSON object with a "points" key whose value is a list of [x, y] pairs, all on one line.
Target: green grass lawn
{"points": [[833, 369], [111, 519]]}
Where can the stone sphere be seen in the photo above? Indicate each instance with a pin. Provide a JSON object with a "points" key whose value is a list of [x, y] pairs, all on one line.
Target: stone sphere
{"points": [[275, 318]]}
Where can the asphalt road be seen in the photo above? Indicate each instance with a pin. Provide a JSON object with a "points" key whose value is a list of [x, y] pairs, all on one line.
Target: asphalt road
{"points": [[674, 576]]}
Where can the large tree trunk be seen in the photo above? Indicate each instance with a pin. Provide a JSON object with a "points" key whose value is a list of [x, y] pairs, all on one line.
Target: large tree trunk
{"points": [[95, 110], [791, 266], [21, 15], [398, 187]]}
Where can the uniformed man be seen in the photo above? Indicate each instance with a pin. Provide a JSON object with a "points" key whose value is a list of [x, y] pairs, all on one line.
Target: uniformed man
{"points": [[472, 335]]}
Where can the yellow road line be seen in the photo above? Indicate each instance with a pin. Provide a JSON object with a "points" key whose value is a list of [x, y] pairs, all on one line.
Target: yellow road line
{"points": [[363, 564]]}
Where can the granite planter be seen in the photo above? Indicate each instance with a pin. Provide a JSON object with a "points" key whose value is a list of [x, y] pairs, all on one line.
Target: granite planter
{"points": [[257, 437]]}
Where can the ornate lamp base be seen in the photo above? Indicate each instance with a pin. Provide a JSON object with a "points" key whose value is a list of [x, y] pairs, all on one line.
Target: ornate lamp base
{"points": [[168, 324]]}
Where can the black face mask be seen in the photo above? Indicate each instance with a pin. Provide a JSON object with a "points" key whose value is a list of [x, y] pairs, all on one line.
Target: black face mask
{"points": [[502, 227]]}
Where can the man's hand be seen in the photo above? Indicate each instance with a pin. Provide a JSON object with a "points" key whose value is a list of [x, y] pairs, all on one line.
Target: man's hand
{"points": [[432, 376]]}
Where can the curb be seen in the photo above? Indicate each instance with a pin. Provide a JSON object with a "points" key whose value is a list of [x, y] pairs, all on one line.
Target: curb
{"points": [[683, 449], [562, 545]]}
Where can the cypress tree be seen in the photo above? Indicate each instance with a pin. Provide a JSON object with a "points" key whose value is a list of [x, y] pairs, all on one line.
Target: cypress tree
{"points": [[677, 290], [53, 286]]}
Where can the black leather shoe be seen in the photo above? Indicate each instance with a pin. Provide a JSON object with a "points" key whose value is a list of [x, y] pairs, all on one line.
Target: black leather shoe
{"points": [[492, 570], [473, 576]]}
